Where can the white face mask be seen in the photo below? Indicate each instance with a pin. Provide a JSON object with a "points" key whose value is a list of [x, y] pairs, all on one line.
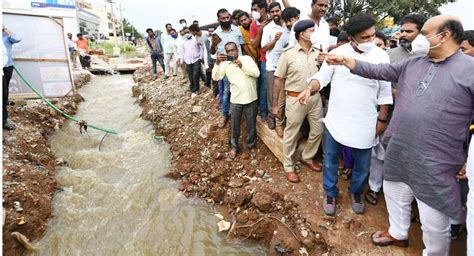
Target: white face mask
{"points": [[187, 35], [256, 15], [183, 25], [422, 46], [365, 47]]}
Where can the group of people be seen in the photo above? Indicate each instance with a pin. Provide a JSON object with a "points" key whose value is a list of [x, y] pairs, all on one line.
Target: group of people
{"points": [[291, 67], [80, 47]]}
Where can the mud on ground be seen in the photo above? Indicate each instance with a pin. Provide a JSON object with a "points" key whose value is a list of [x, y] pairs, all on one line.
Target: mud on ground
{"points": [[261, 204], [29, 166]]}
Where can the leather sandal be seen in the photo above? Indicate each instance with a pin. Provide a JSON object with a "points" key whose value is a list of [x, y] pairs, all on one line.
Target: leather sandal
{"points": [[383, 238], [292, 177]]}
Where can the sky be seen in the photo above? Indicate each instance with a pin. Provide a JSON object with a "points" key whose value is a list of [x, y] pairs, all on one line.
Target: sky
{"points": [[156, 13]]}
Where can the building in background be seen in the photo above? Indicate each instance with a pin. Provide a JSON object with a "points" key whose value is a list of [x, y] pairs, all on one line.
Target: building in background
{"points": [[66, 9]]}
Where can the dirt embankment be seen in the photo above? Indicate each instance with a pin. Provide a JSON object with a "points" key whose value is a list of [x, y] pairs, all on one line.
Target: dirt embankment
{"points": [[261, 204], [29, 167]]}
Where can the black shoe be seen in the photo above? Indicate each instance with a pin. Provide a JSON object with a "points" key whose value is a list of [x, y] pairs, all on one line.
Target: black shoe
{"points": [[456, 229], [166, 77], [9, 126]]}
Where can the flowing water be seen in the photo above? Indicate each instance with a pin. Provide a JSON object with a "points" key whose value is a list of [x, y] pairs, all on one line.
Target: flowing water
{"points": [[117, 201]]}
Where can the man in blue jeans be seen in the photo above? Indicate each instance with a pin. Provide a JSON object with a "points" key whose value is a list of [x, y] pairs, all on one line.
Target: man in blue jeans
{"points": [[352, 119], [156, 51]]}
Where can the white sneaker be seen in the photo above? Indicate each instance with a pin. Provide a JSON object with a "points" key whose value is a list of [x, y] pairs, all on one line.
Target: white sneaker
{"points": [[193, 95]]}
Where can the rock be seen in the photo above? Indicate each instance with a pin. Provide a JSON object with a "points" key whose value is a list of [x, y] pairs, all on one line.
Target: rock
{"points": [[196, 109], [10, 139], [303, 251], [220, 217], [304, 233], [260, 173], [254, 162], [223, 225], [262, 201], [217, 194], [245, 155], [236, 182], [308, 243]]}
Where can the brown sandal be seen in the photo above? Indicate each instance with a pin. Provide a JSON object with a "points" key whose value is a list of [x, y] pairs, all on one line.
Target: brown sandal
{"points": [[383, 238], [372, 197]]}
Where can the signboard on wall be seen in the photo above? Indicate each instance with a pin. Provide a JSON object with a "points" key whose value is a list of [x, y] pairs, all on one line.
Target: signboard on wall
{"points": [[60, 8], [41, 56]]}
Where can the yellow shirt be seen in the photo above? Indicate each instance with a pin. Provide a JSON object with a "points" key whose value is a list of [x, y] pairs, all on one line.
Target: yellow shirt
{"points": [[296, 66], [243, 81]]}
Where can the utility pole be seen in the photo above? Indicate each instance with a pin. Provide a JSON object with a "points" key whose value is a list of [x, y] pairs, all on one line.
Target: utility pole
{"points": [[116, 51], [123, 33]]}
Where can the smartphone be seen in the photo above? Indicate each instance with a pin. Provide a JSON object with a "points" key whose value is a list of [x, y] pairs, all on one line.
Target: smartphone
{"points": [[230, 58]]}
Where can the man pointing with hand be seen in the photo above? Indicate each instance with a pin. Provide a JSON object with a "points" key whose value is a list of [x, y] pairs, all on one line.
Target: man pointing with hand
{"points": [[425, 142], [352, 119]]}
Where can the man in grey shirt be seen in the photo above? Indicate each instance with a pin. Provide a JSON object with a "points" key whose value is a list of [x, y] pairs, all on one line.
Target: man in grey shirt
{"points": [[411, 26], [425, 141]]}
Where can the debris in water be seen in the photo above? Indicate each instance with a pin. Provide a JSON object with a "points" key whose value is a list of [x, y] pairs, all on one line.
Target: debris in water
{"points": [[159, 138], [220, 217], [223, 225]]}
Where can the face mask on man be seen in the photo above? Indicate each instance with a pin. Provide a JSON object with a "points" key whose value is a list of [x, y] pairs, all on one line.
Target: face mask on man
{"points": [[226, 24], [256, 15], [174, 36], [187, 35], [364, 47], [183, 25], [421, 45]]}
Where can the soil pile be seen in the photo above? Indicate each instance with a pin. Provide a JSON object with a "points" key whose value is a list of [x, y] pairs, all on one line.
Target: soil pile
{"points": [[29, 167]]}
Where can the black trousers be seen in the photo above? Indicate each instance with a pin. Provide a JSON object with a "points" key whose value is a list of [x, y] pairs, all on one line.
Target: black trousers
{"points": [[250, 112], [7, 76], [194, 74], [85, 61]]}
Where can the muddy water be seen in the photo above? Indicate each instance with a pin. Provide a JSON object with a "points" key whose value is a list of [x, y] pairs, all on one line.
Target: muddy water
{"points": [[117, 201]]}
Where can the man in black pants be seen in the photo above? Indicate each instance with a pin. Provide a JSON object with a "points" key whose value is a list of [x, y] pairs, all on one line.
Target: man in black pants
{"points": [[191, 53], [9, 38]]}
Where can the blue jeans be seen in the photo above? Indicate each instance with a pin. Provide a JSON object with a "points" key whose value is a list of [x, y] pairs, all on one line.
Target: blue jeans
{"points": [[360, 170], [154, 58], [262, 90], [224, 96]]}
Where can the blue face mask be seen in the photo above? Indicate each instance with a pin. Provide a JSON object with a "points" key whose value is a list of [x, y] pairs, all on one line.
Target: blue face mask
{"points": [[174, 36]]}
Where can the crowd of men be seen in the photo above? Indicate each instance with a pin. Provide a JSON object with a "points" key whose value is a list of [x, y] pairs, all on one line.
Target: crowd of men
{"points": [[299, 70]]}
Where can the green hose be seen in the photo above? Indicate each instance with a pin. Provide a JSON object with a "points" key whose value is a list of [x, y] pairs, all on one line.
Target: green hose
{"points": [[56, 108]]}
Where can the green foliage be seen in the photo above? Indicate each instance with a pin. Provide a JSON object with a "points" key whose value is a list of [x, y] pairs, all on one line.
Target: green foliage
{"points": [[108, 47], [345, 9], [129, 28]]}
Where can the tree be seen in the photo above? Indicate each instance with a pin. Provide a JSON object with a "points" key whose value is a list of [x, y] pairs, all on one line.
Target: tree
{"points": [[345, 9], [129, 28]]}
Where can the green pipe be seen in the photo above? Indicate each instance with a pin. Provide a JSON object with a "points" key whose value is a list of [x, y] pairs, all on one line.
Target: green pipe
{"points": [[56, 108]]}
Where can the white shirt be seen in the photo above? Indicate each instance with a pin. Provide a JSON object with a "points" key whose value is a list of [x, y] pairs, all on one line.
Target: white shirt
{"points": [[322, 34], [179, 43], [202, 39], [352, 111], [268, 35]]}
